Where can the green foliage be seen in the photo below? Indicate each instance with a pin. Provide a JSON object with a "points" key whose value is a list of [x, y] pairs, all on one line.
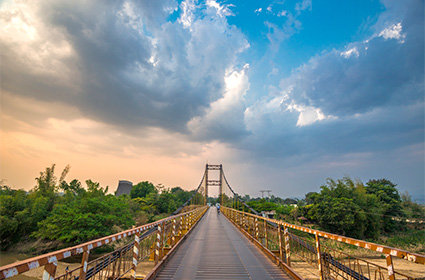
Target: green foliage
{"points": [[153, 204], [389, 202], [342, 206], [181, 195], [80, 214], [166, 202], [91, 216], [263, 205], [46, 183], [142, 189], [284, 209], [15, 218], [412, 210], [94, 189], [350, 208]]}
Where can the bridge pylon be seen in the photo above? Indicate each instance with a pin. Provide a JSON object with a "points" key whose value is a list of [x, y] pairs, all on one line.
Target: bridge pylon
{"points": [[219, 182]]}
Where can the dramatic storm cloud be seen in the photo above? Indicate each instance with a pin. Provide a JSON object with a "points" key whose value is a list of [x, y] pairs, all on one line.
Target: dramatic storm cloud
{"points": [[116, 61], [284, 94]]}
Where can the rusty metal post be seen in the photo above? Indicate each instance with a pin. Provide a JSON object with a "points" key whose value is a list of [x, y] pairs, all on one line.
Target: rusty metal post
{"points": [[135, 255], [83, 270], [319, 257], [50, 270], [266, 235], [390, 266], [287, 245], [279, 233]]}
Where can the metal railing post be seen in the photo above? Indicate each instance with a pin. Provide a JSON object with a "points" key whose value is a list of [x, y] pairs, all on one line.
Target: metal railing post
{"points": [[390, 266], [256, 228], [173, 237], [135, 255], [180, 226], [158, 244], [319, 257], [279, 232], [186, 223], [50, 270], [250, 225], [287, 245], [83, 270], [266, 236], [164, 231]]}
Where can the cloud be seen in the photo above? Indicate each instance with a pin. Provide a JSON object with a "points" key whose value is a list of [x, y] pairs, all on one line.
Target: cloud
{"points": [[278, 31], [366, 97], [223, 120], [304, 5], [123, 63], [367, 75], [393, 32], [156, 81]]}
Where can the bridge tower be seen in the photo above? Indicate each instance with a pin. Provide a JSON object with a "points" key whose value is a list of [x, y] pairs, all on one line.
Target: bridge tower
{"points": [[219, 182]]}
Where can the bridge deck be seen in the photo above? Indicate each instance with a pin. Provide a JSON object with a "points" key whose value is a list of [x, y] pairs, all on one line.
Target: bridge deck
{"points": [[217, 250]]}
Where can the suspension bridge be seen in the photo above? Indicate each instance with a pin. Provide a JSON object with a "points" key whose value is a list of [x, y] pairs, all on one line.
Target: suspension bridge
{"points": [[197, 242]]}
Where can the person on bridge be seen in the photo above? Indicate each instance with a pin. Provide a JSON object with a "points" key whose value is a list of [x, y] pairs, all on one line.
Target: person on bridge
{"points": [[218, 208]]}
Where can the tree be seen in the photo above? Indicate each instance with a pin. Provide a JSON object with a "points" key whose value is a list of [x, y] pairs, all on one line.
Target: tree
{"points": [[343, 207], [166, 202], [289, 201], [16, 219], [88, 217], [263, 205], [47, 186], [142, 189], [74, 188], [389, 201], [181, 195], [46, 183], [94, 189], [412, 209]]}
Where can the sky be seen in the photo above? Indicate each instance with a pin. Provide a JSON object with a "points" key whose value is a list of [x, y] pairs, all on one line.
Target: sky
{"points": [[284, 94]]}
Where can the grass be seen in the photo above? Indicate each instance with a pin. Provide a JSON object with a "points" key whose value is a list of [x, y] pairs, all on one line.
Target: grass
{"points": [[412, 240]]}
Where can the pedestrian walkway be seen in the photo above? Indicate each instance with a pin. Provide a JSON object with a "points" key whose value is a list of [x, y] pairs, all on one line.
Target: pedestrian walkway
{"points": [[217, 250]]}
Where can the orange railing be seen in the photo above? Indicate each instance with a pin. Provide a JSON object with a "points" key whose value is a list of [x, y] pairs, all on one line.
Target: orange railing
{"points": [[310, 246], [151, 240]]}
